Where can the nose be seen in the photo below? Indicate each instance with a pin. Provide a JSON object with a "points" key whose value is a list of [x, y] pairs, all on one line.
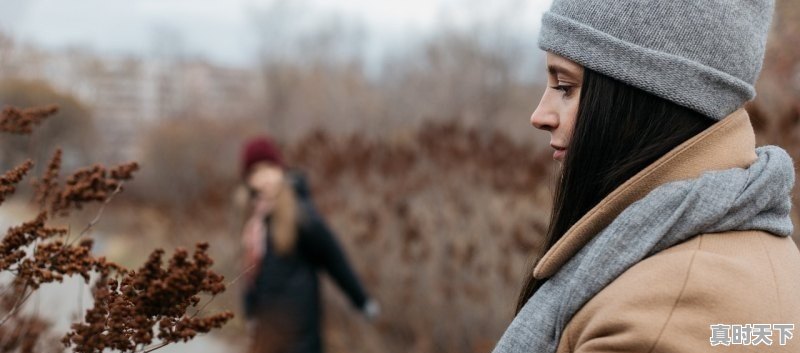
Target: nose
{"points": [[544, 118]]}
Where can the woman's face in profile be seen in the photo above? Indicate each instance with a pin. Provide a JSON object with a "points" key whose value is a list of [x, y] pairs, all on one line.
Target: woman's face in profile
{"points": [[265, 183], [558, 108]]}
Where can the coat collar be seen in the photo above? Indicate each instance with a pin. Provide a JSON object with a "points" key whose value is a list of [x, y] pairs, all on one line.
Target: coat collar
{"points": [[729, 143]]}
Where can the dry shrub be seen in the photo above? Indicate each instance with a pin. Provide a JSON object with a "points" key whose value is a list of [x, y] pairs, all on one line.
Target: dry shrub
{"points": [[22, 121], [9, 180], [128, 311], [69, 124], [439, 223], [190, 167], [129, 306]]}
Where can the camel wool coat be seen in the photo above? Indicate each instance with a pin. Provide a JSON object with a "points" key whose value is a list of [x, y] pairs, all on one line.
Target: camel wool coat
{"points": [[668, 302]]}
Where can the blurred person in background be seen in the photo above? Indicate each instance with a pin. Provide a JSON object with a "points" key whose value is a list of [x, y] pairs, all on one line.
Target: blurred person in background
{"points": [[669, 227], [285, 243]]}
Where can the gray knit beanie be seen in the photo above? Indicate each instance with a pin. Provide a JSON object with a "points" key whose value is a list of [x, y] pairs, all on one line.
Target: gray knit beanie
{"points": [[701, 54]]}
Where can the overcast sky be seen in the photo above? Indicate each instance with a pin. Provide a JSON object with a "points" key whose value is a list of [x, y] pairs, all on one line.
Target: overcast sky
{"points": [[224, 30]]}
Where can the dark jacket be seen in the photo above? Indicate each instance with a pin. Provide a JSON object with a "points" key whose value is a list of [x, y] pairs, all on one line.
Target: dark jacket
{"points": [[284, 296]]}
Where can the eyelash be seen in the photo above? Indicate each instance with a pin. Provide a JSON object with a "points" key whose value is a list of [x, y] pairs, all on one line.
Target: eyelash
{"points": [[563, 88]]}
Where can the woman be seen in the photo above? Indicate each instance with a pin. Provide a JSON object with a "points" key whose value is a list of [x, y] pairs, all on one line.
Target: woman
{"points": [[285, 242], [670, 229]]}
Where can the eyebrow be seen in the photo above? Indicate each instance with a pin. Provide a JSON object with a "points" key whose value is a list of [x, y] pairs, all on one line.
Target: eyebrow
{"points": [[557, 69]]}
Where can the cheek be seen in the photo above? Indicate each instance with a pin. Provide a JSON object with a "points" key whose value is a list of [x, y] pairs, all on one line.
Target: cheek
{"points": [[273, 184], [570, 115], [272, 189]]}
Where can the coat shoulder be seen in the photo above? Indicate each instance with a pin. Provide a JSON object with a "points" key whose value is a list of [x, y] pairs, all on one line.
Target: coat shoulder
{"points": [[668, 302]]}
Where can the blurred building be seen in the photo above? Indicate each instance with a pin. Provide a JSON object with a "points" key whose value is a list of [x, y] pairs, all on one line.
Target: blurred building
{"points": [[127, 94]]}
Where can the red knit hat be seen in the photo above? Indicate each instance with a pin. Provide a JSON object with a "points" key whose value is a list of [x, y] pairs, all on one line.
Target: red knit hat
{"points": [[260, 149]]}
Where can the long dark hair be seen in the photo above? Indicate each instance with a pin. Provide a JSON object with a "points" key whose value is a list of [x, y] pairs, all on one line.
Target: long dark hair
{"points": [[619, 131]]}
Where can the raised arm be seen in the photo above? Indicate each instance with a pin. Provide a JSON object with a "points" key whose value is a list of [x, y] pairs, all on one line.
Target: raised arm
{"points": [[319, 244]]}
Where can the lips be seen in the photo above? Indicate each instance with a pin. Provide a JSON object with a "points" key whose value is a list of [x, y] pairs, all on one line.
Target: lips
{"points": [[559, 152]]}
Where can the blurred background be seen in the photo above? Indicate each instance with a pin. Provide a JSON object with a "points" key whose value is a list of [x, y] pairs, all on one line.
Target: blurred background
{"points": [[411, 120]]}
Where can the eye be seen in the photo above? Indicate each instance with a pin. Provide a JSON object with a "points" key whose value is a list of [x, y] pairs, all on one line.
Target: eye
{"points": [[252, 192], [562, 88], [565, 89]]}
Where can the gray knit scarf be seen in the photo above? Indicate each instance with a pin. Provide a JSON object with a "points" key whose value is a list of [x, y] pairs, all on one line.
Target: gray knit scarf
{"points": [[756, 198]]}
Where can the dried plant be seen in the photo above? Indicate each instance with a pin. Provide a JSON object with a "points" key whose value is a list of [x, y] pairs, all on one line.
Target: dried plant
{"points": [[129, 310], [134, 311], [448, 211], [9, 180], [22, 121], [25, 335], [92, 184], [48, 184]]}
